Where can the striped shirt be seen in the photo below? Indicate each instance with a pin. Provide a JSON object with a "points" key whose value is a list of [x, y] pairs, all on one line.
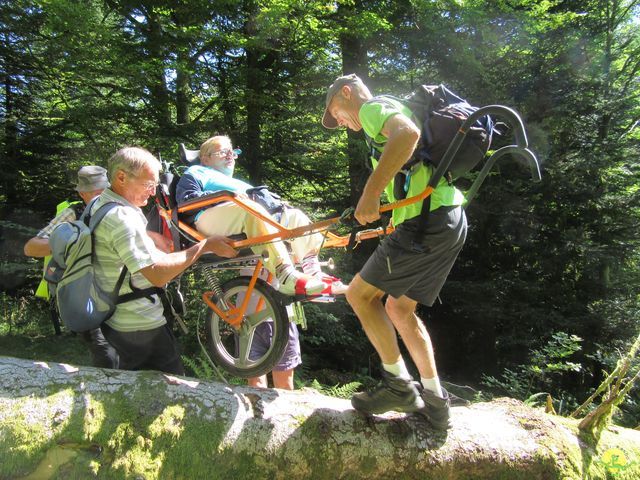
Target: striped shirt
{"points": [[66, 215], [121, 239]]}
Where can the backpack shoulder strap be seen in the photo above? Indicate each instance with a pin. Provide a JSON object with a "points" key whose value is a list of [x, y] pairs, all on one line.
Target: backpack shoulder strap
{"points": [[93, 219], [374, 147]]}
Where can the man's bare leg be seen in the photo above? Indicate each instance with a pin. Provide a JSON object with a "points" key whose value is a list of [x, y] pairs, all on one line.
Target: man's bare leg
{"points": [[366, 301], [281, 379], [258, 382], [401, 312], [396, 391]]}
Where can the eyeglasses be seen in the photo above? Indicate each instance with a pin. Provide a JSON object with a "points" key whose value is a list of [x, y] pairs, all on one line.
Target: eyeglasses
{"points": [[226, 152], [150, 185]]}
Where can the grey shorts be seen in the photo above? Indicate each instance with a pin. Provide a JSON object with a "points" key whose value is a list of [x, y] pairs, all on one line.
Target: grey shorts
{"points": [[404, 264], [291, 357]]}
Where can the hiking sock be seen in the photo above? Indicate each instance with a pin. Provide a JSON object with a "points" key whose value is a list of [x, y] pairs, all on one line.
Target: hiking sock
{"points": [[399, 369], [432, 384], [284, 271], [311, 265]]}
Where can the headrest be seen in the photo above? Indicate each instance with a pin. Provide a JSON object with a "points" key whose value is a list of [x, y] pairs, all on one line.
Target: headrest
{"points": [[188, 157]]}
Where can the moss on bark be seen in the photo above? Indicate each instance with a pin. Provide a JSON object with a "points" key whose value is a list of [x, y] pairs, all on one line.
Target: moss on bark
{"points": [[112, 424]]}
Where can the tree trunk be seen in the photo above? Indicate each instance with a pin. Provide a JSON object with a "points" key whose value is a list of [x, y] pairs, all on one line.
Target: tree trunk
{"points": [[354, 60], [253, 148], [10, 161], [156, 73], [183, 94], [91, 422]]}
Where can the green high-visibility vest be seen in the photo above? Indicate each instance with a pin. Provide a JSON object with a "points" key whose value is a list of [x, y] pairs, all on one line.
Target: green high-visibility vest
{"points": [[43, 288]]}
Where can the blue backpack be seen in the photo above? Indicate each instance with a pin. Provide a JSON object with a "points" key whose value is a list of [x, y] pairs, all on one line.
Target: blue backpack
{"points": [[83, 305]]}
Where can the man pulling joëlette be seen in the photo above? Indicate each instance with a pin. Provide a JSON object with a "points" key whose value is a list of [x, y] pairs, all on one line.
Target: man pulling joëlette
{"points": [[410, 265]]}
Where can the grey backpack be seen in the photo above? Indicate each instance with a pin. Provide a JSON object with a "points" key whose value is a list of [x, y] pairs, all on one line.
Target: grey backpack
{"points": [[83, 305]]}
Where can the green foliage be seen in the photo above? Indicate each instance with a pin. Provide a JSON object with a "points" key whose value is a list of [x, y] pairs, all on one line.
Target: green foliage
{"points": [[199, 367], [80, 79], [612, 357], [339, 391], [21, 315], [334, 338], [531, 381]]}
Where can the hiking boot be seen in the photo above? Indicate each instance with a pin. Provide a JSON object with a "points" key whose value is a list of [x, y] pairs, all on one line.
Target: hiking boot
{"points": [[436, 409], [392, 393], [454, 400]]}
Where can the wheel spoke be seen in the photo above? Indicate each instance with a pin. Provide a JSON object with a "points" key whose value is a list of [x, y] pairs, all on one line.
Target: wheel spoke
{"points": [[254, 319], [231, 347], [245, 338]]}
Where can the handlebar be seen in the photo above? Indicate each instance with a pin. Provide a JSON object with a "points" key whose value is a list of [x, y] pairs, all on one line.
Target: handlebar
{"points": [[521, 147]]}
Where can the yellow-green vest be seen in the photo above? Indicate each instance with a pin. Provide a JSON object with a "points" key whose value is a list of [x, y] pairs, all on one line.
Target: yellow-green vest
{"points": [[43, 288]]}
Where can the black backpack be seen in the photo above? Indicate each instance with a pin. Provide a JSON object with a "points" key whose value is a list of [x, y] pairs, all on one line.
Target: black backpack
{"points": [[439, 113]]}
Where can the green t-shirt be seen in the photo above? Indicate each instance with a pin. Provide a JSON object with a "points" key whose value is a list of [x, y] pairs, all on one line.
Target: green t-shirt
{"points": [[373, 115]]}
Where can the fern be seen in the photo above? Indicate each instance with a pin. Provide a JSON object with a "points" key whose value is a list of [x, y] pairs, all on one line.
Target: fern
{"points": [[340, 391], [200, 367]]}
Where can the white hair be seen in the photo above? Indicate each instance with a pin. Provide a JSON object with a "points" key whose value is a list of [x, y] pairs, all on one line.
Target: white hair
{"points": [[132, 160]]}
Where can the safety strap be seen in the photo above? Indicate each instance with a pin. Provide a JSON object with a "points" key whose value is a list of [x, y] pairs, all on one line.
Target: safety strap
{"points": [[169, 312]]}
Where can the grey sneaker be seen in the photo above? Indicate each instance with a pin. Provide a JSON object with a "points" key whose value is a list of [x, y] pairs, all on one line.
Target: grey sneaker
{"points": [[392, 393], [436, 409]]}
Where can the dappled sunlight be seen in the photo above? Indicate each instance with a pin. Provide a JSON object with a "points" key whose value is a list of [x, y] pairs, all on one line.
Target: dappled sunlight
{"points": [[30, 429], [170, 421], [94, 416]]}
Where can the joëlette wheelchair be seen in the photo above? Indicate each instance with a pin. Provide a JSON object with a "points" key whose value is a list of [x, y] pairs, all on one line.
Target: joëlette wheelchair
{"points": [[238, 307]]}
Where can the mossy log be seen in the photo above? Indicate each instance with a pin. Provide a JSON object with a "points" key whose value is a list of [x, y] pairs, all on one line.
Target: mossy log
{"points": [[58, 421]]}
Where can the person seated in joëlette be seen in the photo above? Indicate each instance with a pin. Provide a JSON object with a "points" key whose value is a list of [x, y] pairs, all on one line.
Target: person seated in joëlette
{"points": [[214, 174]]}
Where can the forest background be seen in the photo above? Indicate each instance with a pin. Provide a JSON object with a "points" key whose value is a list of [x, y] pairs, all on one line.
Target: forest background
{"points": [[545, 295]]}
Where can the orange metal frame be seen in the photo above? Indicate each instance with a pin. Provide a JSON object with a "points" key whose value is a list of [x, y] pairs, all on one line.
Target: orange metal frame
{"points": [[282, 232], [234, 315]]}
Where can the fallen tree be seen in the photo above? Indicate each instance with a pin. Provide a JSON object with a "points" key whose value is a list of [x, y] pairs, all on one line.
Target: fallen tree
{"points": [[58, 421]]}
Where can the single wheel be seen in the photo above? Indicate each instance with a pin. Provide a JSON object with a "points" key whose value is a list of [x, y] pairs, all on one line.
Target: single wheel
{"points": [[258, 345]]}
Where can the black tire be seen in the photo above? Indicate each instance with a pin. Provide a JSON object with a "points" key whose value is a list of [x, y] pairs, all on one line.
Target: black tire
{"points": [[223, 340]]}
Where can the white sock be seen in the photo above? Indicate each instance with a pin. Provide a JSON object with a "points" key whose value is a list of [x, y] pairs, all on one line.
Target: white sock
{"points": [[284, 271], [432, 384], [311, 265], [399, 369]]}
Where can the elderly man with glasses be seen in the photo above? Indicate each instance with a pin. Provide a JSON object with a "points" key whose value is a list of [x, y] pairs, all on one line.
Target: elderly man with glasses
{"points": [[138, 329], [215, 173]]}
